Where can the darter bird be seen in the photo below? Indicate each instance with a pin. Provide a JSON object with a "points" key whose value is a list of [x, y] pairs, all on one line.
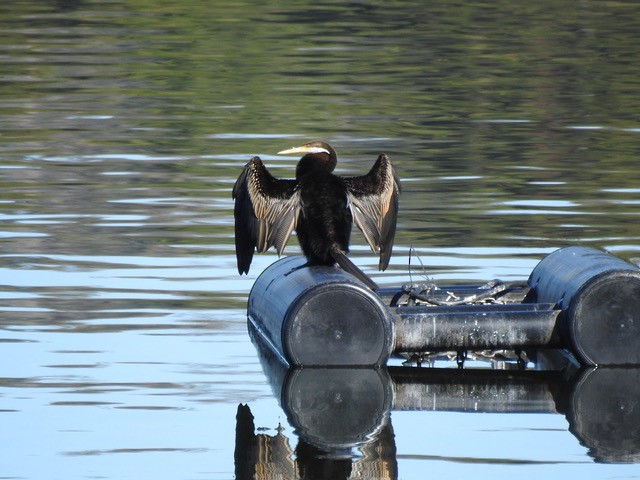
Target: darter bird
{"points": [[319, 205]]}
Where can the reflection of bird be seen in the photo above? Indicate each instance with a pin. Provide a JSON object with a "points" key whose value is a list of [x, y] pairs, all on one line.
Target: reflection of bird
{"points": [[320, 206]]}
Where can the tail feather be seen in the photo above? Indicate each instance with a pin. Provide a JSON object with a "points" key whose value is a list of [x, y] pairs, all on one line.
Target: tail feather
{"points": [[348, 266]]}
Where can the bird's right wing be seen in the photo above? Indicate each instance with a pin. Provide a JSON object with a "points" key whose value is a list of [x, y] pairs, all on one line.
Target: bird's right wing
{"points": [[266, 211]]}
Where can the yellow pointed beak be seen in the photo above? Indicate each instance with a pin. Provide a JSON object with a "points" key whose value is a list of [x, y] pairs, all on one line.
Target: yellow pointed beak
{"points": [[301, 149], [304, 149]]}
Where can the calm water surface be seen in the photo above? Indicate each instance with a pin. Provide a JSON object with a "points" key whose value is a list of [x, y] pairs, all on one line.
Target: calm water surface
{"points": [[123, 126]]}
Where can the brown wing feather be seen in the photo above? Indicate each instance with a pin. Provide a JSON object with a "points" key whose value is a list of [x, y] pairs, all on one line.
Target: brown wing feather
{"points": [[266, 211], [374, 205]]}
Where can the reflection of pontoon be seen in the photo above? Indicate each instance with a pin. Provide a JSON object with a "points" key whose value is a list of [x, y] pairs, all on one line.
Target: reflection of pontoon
{"points": [[335, 410]]}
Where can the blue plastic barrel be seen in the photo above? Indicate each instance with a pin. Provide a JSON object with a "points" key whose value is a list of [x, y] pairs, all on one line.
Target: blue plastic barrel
{"points": [[599, 298], [312, 316]]}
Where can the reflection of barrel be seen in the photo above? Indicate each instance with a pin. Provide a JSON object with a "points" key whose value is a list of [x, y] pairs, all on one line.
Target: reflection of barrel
{"points": [[319, 316], [581, 299], [338, 409], [603, 413], [599, 298]]}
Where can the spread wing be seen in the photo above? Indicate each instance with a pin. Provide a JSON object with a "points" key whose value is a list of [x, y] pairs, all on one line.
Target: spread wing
{"points": [[266, 211], [374, 205]]}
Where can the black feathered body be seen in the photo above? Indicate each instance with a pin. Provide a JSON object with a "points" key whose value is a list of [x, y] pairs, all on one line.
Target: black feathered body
{"points": [[325, 221]]}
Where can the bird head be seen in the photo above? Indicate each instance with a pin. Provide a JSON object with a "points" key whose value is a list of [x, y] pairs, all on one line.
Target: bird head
{"points": [[316, 154]]}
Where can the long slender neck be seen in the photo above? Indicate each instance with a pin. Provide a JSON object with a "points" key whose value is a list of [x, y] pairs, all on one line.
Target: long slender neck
{"points": [[312, 162]]}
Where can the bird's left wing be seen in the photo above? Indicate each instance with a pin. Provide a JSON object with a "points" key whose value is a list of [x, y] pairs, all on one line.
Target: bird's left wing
{"points": [[266, 211], [374, 205]]}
